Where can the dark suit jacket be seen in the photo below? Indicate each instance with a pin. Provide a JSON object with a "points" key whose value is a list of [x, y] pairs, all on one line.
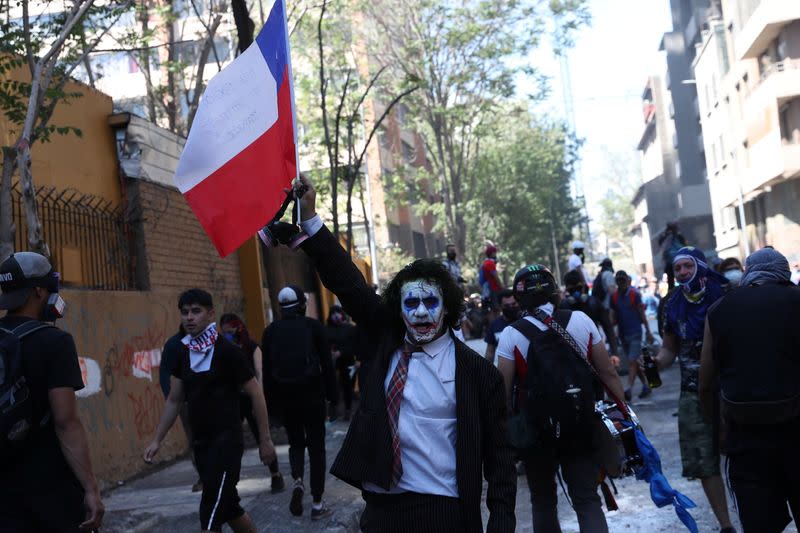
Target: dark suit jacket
{"points": [[481, 442]]}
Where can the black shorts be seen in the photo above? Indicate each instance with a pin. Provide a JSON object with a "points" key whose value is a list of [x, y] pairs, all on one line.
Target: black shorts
{"points": [[56, 505], [219, 460]]}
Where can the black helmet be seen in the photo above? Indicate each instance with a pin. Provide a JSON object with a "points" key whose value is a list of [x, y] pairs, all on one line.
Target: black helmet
{"points": [[534, 279]]}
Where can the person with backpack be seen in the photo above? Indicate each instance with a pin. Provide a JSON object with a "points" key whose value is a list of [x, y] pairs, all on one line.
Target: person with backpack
{"points": [[489, 281], [46, 478], [235, 331], [604, 284], [627, 310], [577, 298], [297, 359], [209, 374], [760, 396], [685, 314], [560, 363], [430, 430]]}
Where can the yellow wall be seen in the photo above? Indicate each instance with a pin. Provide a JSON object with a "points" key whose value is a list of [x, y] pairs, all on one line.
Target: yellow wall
{"points": [[86, 163]]}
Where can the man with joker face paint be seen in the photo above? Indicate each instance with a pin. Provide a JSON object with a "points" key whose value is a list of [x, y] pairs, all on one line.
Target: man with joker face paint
{"points": [[431, 424]]}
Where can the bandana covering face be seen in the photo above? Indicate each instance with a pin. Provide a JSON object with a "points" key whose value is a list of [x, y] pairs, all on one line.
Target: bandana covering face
{"points": [[423, 310], [201, 348], [700, 291]]}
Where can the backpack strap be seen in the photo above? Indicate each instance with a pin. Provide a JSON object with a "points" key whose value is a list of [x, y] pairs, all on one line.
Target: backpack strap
{"points": [[29, 327]]}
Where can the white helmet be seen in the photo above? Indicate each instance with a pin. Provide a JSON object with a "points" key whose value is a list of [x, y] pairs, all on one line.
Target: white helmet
{"points": [[578, 245]]}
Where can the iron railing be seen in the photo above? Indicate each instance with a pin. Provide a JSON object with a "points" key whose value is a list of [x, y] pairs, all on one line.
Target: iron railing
{"points": [[88, 237]]}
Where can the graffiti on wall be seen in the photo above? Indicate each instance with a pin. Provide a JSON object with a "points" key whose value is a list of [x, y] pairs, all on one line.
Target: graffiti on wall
{"points": [[90, 373], [144, 362], [146, 409]]}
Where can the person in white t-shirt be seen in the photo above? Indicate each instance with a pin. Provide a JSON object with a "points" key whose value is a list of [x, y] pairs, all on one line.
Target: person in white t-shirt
{"points": [[537, 291], [575, 262]]}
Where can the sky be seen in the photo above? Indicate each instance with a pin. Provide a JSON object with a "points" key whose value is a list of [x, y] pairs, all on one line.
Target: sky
{"points": [[608, 66]]}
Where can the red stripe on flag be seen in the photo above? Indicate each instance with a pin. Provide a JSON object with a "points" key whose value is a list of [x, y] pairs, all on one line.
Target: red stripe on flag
{"points": [[235, 201]]}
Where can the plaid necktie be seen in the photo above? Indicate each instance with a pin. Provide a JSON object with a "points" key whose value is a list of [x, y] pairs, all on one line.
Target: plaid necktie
{"points": [[393, 398]]}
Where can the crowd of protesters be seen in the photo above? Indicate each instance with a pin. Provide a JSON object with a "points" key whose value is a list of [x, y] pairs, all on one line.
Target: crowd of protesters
{"points": [[431, 419]]}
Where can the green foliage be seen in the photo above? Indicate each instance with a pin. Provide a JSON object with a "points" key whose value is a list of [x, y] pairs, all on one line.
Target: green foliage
{"points": [[521, 194], [619, 179], [466, 54]]}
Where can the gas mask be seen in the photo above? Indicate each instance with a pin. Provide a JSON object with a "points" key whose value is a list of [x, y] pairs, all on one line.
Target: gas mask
{"points": [[422, 307]]}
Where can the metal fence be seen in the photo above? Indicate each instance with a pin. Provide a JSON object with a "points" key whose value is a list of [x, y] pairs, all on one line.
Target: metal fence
{"points": [[89, 238]]}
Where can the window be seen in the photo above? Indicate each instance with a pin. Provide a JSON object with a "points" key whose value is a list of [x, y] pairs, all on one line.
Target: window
{"points": [[677, 169]]}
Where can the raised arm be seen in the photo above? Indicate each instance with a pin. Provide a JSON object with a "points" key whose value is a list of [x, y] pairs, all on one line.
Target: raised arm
{"points": [[335, 267]]}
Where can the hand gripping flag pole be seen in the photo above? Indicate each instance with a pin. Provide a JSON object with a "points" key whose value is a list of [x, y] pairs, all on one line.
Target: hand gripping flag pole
{"points": [[241, 151]]}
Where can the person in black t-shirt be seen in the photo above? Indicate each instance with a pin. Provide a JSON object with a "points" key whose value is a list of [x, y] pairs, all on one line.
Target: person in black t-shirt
{"points": [[577, 298], [234, 329], [510, 314], [58, 452], [209, 374]]}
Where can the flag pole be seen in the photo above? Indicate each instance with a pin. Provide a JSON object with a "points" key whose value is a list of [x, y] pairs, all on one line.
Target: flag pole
{"points": [[291, 93]]}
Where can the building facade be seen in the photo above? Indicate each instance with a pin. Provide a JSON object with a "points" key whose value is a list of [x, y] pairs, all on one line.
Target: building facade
{"points": [[748, 68], [674, 176]]}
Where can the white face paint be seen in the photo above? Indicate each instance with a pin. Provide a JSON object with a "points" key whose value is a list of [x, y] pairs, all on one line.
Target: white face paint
{"points": [[423, 310]]}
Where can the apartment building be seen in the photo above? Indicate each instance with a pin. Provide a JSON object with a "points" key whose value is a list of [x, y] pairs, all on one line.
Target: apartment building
{"points": [[674, 185], [748, 69]]}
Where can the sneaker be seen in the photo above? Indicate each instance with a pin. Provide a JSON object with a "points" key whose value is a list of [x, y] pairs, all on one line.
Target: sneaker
{"points": [[197, 487], [318, 513], [628, 395], [296, 505], [277, 484], [646, 391]]}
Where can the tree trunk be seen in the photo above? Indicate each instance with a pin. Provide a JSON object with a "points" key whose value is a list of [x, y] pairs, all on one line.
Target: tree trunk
{"points": [[7, 228], [144, 18], [244, 24], [36, 241]]}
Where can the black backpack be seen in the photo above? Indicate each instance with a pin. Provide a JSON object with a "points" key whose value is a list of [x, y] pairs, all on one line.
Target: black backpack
{"points": [[17, 421], [560, 390], [293, 352], [598, 289]]}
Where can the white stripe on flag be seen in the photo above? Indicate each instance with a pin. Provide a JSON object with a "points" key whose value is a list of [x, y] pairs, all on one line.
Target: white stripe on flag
{"points": [[238, 106]]}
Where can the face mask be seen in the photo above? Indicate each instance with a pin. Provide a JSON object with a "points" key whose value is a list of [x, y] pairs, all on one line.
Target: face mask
{"points": [[451, 256], [230, 336], [54, 308], [734, 276], [511, 313], [422, 308]]}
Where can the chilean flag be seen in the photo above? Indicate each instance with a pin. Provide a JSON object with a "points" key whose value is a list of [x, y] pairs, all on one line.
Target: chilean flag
{"points": [[240, 153]]}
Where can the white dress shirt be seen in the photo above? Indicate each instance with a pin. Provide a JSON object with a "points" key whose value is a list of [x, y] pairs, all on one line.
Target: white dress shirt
{"points": [[427, 421]]}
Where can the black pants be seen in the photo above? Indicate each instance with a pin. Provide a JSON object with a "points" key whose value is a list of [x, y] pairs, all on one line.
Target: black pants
{"points": [[304, 419], [55, 504], [219, 461], [402, 513], [246, 406], [764, 481], [580, 473]]}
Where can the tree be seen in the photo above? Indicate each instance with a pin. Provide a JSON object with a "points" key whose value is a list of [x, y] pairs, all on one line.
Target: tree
{"points": [[463, 54], [522, 200], [619, 180], [346, 78], [51, 48]]}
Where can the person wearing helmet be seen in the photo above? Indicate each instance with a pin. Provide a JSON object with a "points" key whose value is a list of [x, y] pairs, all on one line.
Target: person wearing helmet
{"points": [[297, 362], [431, 423], [564, 335], [576, 260]]}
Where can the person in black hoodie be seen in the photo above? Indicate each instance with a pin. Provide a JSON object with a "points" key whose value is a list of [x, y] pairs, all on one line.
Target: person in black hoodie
{"points": [[297, 361]]}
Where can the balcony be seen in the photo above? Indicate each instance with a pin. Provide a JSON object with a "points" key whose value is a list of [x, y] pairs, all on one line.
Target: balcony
{"points": [[764, 25], [772, 159], [781, 80]]}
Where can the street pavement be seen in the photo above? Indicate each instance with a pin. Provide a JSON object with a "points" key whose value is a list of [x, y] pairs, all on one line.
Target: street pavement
{"points": [[163, 501]]}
